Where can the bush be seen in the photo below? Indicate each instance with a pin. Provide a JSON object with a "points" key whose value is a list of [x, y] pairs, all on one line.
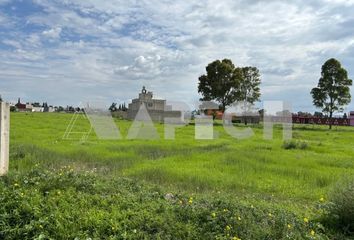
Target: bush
{"points": [[339, 211], [302, 145], [292, 144], [289, 144]]}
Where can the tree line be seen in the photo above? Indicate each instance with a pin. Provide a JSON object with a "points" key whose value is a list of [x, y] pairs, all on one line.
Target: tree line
{"points": [[225, 84], [121, 107]]}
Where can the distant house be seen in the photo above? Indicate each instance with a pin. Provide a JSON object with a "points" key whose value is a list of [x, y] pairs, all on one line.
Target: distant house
{"points": [[32, 107], [21, 107], [51, 109], [37, 109], [29, 107]]}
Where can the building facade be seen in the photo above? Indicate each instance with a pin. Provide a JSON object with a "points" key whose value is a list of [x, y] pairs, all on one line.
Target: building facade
{"points": [[156, 108], [21, 107]]}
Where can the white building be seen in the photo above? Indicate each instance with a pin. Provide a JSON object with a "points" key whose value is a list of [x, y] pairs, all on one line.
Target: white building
{"points": [[37, 109]]}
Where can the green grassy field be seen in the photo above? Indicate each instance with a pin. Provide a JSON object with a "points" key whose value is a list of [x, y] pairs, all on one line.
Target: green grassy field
{"points": [[253, 173]]}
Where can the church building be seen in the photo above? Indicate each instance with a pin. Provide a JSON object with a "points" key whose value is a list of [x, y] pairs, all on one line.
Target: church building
{"points": [[157, 108]]}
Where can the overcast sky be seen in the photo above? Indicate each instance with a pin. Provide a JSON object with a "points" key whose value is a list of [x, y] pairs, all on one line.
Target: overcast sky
{"points": [[69, 51]]}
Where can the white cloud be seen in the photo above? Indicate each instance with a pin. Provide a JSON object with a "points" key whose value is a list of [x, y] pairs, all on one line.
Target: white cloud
{"points": [[341, 2], [142, 67], [52, 33], [115, 47], [12, 43]]}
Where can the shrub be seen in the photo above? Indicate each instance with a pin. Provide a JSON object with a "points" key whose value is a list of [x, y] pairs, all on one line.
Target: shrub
{"points": [[302, 145], [292, 144], [339, 211]]}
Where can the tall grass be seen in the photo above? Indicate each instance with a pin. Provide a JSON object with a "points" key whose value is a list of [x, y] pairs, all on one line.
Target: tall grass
{"points": [[250, 167]]}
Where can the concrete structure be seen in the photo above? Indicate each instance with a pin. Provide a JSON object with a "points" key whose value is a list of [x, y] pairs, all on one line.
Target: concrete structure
{"points": [[37, 109], [351, 118], [120, 114], [247, 119], [29, 107], [336, 121], [4, 137], [157, 108], [51, 109]]}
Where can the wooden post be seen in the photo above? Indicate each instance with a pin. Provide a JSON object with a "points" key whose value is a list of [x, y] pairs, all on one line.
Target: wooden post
{"points": [[4, 137]]}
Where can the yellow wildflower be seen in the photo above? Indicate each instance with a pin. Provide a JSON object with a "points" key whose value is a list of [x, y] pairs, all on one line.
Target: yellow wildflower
{"points": [[225, 210], [228, 228], [321, 199], [270, 215], [312, 232], [190, 201], [289, 226], [306, 220], [213, 214], [236, 238], [16, 185], [239, 218]]}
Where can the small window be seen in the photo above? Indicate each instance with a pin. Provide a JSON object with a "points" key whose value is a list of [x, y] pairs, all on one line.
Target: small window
{"points": [[150, 105]]}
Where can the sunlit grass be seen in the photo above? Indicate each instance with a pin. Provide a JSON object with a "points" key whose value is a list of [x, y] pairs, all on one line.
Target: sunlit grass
{"points": [[253, 169]]}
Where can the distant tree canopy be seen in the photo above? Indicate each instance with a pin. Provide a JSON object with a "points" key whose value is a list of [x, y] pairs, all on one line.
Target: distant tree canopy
{"points": [[332, 92], [121, 107], [226, 84], [113, 107], [304, 114], [0, 98]]}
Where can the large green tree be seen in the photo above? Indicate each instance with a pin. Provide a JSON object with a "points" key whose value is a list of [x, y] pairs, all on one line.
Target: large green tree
{"points": [[220, 83], [226, 84], [332, 92], [248, 89]]}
